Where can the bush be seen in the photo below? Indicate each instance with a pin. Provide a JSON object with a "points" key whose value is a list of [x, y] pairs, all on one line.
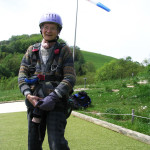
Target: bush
{"points": [[8, 84], [90, 79], [12, 63], [118, 69], [144, 91]]}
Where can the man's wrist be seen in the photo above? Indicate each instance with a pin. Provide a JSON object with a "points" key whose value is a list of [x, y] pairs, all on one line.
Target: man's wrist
{"points": [[28, 96], [26, 93]]}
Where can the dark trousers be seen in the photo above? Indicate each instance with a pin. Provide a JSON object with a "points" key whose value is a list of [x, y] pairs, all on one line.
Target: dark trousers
{"points": [[55, 123]]}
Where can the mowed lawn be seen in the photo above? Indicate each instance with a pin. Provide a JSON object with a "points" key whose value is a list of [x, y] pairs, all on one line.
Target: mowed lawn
{"points": [[81, 135]]}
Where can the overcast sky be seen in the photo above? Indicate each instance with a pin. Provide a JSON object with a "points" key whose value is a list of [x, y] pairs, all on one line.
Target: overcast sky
{"points": [[122, 32]]}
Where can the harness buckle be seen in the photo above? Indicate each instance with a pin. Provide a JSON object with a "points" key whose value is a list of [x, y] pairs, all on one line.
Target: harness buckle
{"points": [[54, 67]]}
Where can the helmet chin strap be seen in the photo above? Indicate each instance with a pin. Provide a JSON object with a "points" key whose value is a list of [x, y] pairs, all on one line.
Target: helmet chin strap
{"points": [[55, 40]]}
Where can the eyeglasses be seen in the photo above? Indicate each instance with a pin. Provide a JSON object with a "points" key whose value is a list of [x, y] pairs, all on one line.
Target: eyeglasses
{"points": [[46, 28]]}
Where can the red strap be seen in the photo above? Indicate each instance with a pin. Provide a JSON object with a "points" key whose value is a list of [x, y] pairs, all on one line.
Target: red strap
{"points": [[41, 77], [56, 51], [35, 50]]}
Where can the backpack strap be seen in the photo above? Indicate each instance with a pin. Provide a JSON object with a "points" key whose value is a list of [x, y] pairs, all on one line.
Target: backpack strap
{"points": [[34, 57], [58, 50], [35, 53]]}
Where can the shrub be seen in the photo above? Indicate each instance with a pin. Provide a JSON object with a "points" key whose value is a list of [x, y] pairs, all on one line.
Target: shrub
{"points": [[118, 69], [8, 84]]}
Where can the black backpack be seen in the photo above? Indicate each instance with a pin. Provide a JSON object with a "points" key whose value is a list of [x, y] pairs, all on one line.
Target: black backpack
{"points": [[80, 100]]}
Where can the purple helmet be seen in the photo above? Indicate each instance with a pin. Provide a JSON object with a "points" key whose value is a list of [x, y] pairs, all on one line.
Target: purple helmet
{"points": [[52, 18]]}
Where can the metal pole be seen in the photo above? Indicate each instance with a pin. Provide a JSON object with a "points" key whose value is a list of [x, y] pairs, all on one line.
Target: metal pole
{"points": [[132, 115], [84, 82], [75, 31]]}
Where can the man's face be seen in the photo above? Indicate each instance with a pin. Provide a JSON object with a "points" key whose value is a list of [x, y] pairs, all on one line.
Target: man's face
{"points": [[49, 31]]}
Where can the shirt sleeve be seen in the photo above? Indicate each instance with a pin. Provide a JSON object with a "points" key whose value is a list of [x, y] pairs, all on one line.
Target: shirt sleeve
{"points": [[23, 72]]}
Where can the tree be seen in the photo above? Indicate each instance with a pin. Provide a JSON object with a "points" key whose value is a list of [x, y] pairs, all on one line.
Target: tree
{"points": [[79, 62], [146, 62], [19, 43], [119, 69], [128, 58], [89, 66], [4, 72], [12, 63]]}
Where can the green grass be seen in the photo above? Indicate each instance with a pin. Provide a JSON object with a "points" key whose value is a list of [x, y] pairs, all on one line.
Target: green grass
{"points": [[121, 102], [79, 133], [10, 95], [106, 101], [97, 59]]}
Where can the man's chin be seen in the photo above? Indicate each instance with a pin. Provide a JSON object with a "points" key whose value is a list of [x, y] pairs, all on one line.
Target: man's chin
{"points": [[49, 39]]}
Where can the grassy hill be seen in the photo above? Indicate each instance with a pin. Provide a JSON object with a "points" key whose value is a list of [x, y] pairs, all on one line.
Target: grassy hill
{"points": [[97, 59]]}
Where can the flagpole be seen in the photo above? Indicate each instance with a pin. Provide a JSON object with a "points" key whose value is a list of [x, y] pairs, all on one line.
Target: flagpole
{"points": [[75, 31], [97, 4]]}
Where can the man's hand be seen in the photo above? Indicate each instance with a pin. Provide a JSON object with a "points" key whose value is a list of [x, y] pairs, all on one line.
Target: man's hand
{"points": [[33, 99], [48, 103]]}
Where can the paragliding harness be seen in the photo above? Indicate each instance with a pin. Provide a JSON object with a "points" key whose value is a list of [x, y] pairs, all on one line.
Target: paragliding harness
{"points": [[35, 57], [81, 100], [37, 81]]}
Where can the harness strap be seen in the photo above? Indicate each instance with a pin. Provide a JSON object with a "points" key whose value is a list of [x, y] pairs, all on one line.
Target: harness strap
{"points": [[34, 58], [52, 78], [35, 54], [57, 51]]}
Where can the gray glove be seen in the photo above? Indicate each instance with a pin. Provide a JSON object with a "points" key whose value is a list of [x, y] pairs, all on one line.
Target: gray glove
{"points": [[48, 103]]}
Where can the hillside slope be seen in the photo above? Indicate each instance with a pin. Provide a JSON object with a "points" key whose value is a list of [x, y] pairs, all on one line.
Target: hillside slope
{"points": [[97, 59]]}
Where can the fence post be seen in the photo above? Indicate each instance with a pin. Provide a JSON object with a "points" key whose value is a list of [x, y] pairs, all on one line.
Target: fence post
{"points": [[132, 115], [84, 82]]}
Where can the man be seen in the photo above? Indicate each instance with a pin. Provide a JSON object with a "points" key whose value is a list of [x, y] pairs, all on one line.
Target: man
{"points": [[47, 99]]}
